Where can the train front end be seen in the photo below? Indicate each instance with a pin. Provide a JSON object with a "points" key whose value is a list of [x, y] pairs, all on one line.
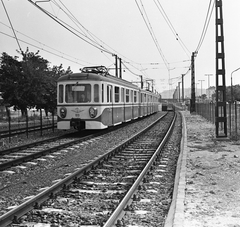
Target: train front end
{"points": [[78, 104]]}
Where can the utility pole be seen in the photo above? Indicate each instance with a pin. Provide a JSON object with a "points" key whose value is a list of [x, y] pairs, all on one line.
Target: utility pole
{"points": [[116, 65], [179, 93], [220, 111], [120, 68], [193, 97], [208, 83], [183, 88], [149, 84]]}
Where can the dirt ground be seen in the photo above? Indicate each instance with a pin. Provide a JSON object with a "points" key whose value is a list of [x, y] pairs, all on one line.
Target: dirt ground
{"points": [[212, 194]]}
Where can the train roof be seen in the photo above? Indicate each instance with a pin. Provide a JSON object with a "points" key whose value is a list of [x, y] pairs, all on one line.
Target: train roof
{"points": [[98, 73], [92, 74]]}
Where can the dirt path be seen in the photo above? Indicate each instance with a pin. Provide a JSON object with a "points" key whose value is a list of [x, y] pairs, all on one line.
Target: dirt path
{"points": [[212, 194]]}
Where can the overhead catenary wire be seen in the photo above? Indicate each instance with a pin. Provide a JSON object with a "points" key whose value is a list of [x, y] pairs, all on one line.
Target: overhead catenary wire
{"points": [[84, 32], [12, 26], [206, 24], [87, 32], [70, 29], [76, 60], [138, 68], [149, 27], [40, 48], [176, 35]]}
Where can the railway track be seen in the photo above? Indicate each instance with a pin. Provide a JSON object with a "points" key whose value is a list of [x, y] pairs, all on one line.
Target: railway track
{"points": [[16, 156], [91, 195], [25, 153], [22, 130]]}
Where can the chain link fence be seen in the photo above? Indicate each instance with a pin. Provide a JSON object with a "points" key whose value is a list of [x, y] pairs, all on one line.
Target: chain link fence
{"points": [[207, 110]]}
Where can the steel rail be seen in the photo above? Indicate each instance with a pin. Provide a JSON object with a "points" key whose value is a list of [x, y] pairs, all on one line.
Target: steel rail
{"points": [[35, 155], [14, 132], [13, 215], [118, 213], [29, 145]]}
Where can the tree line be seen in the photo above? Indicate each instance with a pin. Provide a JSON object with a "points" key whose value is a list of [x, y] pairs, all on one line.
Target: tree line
{"points": [[232, 94], [29, 82]]}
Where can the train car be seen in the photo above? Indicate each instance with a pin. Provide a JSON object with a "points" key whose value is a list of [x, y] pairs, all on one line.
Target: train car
{"points": [[93, 99]]}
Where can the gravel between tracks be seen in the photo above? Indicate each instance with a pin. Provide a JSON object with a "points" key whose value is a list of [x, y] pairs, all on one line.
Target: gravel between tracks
{"points": [[25, 182]]}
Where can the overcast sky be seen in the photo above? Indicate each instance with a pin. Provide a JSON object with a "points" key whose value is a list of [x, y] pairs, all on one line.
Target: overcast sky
{"points": [[118, 27]]}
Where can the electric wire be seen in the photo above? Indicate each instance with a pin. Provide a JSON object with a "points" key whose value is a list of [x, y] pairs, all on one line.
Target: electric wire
{"points": [[206, 24], [82, 28], [40, 48], [151, 33], [12, 27], [86, 32], [64, 25], [42, 44], [176, 35]]}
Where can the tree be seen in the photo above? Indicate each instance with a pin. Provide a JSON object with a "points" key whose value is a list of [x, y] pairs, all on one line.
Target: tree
{"points": [[36, 70], [236, 92], [29, 83], [50, 95], [11, 82], [204, 97]]}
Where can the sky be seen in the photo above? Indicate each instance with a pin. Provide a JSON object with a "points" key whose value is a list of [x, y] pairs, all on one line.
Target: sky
{"points": [[96, 30]]}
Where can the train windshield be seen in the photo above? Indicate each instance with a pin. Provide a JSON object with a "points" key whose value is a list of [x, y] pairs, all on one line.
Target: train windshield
{"points": [[78, 93]]}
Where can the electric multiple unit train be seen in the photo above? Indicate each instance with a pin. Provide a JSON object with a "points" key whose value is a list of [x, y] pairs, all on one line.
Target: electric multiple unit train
{"points": [[94, 99]]}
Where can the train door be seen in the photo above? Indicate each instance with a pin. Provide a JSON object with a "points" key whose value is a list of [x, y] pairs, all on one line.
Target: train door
{"points": [[128, 107], [123, 101], [140, 104], [117, 108], [107, 105], [110, 103], [131, 100]]}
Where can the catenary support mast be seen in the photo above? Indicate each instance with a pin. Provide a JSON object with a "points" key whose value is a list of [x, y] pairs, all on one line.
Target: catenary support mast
{"points": [[220, 112]]}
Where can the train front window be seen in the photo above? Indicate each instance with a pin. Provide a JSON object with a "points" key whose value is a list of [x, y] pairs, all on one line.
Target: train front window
{"points": [[78, 93]]}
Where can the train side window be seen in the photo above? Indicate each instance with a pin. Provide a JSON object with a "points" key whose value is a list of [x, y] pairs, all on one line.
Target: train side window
{"points": [[135, 96], [60, 93], [109, 93], [122, 94], [96, 93], [127, 95], [116, 94]]}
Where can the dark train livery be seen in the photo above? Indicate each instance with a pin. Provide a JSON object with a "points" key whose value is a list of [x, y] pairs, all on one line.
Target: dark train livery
{"points": [[93, 99]]}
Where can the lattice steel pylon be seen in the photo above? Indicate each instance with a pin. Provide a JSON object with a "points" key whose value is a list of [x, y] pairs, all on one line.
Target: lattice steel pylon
{"points": [[220, 112]]}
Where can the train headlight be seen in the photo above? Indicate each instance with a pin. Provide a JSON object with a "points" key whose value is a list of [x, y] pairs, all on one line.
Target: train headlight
{"points": [[63, 112], [92, 112]]}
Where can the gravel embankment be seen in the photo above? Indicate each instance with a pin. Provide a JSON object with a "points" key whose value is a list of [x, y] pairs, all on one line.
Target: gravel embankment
{"points": [[21, 182]]}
